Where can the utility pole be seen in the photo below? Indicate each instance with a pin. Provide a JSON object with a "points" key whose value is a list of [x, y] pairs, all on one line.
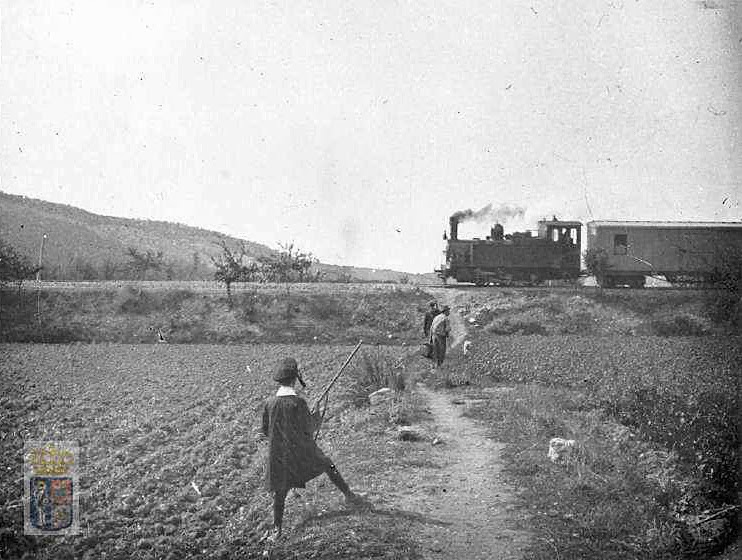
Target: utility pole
{"points": [[41, 257], [38, 279]]}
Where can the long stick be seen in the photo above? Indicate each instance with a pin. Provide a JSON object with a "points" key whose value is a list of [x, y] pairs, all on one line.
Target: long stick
{"points": [[717, 514], [326, 390]]}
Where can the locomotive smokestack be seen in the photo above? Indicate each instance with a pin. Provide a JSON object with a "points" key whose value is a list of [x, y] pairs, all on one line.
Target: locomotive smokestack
{"points": [[454, 222], [497, 232]]}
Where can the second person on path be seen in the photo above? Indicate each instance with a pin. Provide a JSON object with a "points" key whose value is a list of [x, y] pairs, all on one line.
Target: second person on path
{"points": [[440, 330]]}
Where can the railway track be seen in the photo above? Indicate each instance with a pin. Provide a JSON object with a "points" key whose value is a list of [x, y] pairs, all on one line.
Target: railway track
{"points": [[213, 286], [208, 286]]}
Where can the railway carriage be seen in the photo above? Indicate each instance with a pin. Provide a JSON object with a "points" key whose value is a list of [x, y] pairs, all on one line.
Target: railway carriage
{"points": [[682, 252]]}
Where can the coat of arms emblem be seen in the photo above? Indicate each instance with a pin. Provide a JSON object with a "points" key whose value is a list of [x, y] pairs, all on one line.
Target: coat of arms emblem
{"points": [[51, 488]]}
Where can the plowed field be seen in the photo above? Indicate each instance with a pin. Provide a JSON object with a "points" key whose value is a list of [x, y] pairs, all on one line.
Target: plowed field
{"points": [[166, 440]]}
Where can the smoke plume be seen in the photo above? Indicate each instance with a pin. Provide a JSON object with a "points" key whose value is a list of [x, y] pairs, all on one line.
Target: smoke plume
{"points": [[489, 214]]}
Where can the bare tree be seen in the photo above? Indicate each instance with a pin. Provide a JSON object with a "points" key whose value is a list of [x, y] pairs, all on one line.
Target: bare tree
{"points": [[231, 267], [289, 265], [143, 262], [300, 263]]}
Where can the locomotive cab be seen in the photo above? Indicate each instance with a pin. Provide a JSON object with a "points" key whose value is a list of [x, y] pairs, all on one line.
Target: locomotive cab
{"points": [[554, 230]]}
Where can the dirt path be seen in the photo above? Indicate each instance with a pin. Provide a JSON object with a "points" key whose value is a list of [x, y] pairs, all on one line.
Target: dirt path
{"points": [[461, 491]]}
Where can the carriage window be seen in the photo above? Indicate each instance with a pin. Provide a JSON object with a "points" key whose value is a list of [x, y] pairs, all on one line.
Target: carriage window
{"points": [[620, 244]]}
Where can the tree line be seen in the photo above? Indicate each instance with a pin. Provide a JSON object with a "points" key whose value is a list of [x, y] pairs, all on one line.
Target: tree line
{"points": [[289, 264]]}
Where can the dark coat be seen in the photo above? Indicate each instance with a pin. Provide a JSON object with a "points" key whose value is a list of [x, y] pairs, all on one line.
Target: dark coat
{"points": [[293, 457]]}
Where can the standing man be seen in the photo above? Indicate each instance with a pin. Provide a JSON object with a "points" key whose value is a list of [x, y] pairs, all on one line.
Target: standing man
{"points": [[440, 330], [429, 316], [293, 456]]}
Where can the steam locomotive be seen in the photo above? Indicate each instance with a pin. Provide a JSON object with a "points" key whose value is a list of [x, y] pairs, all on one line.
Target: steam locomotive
{"points": [[679, 251], [519, 257]]}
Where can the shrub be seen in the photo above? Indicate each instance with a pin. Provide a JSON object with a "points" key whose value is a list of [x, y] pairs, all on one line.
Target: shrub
{"points": [[171, 300], [596, 263], [724, 307], [519, 327], [375, 369], [247, 303], [373, 375], [133, 301], [680, 325], [724, 302], [14, 267], [698, 427], [323, 306]]}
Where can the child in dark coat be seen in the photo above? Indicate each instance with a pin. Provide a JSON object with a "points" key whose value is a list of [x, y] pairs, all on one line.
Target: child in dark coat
{"points": [[293, 456]]}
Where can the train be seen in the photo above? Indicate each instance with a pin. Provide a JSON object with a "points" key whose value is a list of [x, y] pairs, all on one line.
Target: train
{"points": [[681, 252]]}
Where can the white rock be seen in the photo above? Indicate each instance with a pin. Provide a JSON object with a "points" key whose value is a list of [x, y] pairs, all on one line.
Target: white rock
{"points": [[560, 449]]}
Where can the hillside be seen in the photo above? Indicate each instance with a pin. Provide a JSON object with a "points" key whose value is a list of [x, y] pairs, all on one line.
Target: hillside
{"points": [[81, 245]]}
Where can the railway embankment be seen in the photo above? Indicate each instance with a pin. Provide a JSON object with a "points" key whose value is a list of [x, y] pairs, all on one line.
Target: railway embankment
{"points": [[324, 313]]}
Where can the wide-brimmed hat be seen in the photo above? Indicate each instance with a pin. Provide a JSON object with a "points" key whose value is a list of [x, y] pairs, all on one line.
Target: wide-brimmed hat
{"points": [[287, 370]]}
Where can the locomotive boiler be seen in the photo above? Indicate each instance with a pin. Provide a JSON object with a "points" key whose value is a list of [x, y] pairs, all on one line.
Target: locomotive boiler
{"points": [[554, 253]]}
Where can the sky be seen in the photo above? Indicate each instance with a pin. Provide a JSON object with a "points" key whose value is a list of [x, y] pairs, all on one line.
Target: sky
{"points": [[355, 129]]}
